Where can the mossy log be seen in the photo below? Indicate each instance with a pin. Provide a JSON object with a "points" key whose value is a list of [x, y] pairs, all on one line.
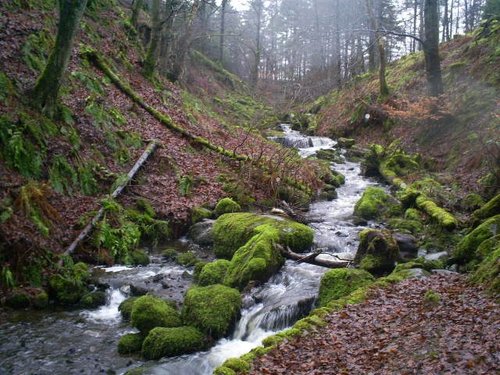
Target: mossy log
{"points": [[167, 121], [130, 175], [440, 215]]}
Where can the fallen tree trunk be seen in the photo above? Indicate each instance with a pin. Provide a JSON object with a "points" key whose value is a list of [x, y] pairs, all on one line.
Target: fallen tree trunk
{"points": [[312, 259], [167, 121], [150, 149]]}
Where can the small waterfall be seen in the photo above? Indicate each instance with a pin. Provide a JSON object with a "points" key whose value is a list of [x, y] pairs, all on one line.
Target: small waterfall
{"points": [[109, 312]]}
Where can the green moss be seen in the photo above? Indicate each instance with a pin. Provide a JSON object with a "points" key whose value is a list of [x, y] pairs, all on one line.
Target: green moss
{"points": [[200, 213], [338, 283], [186, 259], [492, 207], [473, 202], [422, 263], [466, 248], [223, 370], [126, 306], [170, 254], [213, 273], [130, 343], [226, 206], [212, 309], [149, 312], [440, 215], [412, 214], [488, 272], [372, 203], [404, 225], [18, 299], [40, 299], [237, 364], [139, 258], [68, 287], [257, 260], [169, 342], [93, 299], [432, 298], [377, 251], [6, 87], [232, 231]]}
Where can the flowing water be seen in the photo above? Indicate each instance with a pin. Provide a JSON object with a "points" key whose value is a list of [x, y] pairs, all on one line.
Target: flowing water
{"points": [[84, 342]]}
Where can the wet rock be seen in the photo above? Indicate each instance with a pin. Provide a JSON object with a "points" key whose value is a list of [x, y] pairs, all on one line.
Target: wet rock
{"points": [[136, 290], [417, 273], [201, 233], [436, 256], [345, 142], [157, 278], [408, 246], [377, 251]]}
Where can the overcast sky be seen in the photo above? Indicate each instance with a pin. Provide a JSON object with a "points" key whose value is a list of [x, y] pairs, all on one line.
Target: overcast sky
{"points": [[239, 4]]}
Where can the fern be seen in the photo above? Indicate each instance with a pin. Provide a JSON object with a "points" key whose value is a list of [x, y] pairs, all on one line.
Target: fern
{"points": [[88, 183], [7, 278], [185, 185], [18, 152], [62, 175]]}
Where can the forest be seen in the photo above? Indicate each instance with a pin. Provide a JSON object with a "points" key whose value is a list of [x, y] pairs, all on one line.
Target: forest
{"points": [[249, 187]]}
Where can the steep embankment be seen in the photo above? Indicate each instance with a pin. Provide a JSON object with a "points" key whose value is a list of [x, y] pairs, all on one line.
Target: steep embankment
{"points": [[456, 134], [56, 172]]}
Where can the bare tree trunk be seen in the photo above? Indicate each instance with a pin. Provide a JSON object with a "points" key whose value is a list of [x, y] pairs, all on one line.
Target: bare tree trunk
{"points": [[46, 90], [152, 53], [258, 6], [374, 20], [415, 12], [432, 60], [222, 29], [136, 10]]}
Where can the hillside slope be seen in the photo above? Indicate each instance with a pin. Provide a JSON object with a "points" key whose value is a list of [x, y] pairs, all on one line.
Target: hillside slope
{"points": [[457, 134], [55, 173]]}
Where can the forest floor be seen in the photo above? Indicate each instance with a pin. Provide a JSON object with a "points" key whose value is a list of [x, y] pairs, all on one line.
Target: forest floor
{"points": [[433, 325]]}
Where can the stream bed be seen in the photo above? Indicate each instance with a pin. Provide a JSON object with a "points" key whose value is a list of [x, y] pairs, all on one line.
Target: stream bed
{"points": [[85, 341]]}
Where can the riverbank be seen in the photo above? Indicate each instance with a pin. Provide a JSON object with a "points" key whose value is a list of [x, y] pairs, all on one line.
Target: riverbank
{"points": [[435, 324]]}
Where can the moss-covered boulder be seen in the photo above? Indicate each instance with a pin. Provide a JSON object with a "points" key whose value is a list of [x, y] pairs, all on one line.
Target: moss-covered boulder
{"points": [[130, 343], [345, 142], [372, 203], [226, 206], [466, 249], [169, 342], [200, 213], [257, 260], [339, 283], [18, 298], [40, 299], [488, 272], [328, 193], [149, 312], [489, 209], [232, 231], [69, 286], [125, 308], [139, 258], [212, 309], [93, 299], [377, 251], [213, 272]]}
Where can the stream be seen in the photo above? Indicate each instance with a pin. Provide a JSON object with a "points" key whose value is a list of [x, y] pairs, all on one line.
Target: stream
{"points": [[85, 341]]}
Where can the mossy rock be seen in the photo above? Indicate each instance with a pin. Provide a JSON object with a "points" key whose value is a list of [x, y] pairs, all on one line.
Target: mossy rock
{"points": [[200, 213], [139, 258], [226, 206], [331, 155], [422, 263], [169, 254], [93, 299], [438, 214], [130, 343], [149, 312], [125, 308], [232, 231], [40, 299], [466, 248], [257, 260], [18, 298], [212, 309], [66, 290], [489, 209], [237, 365], [213, 272], [488, 272], [406, 225], [168, 342], [412, 214], [377, 251], [372, 204], [186, 259], [346, 142], [341, 282]]}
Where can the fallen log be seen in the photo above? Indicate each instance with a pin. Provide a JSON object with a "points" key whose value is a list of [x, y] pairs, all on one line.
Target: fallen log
{"points": [[312, 259], [130, 175]]}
